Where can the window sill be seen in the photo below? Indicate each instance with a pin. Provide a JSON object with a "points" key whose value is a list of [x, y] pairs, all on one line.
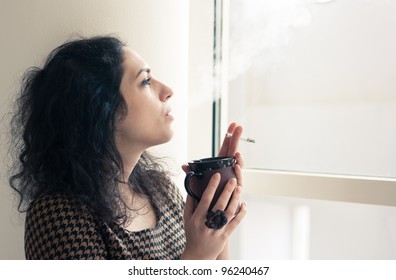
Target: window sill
{"points": [[354, 189]]}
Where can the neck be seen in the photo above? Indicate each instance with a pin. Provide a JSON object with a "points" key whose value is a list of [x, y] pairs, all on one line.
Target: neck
{"points": [[129, 162], [130, 155]]}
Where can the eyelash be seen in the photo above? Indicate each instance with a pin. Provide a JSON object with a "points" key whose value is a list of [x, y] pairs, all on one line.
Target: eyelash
{"points": [[146, 82]]}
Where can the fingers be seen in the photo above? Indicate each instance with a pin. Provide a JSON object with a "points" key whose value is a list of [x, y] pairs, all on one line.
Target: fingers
{"points": [[225, 196], [186, 168], [233, 145], [229, 199], [234, 207], [228, 141], [232, 225], [240, 159], [238, 172], [207, 196], [235, 211]]}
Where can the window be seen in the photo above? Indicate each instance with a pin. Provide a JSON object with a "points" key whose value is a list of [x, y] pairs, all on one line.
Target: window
{"points": [[314, 83]]}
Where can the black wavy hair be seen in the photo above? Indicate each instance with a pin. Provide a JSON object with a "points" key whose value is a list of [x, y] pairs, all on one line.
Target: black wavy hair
{"points": [[63, 129]]}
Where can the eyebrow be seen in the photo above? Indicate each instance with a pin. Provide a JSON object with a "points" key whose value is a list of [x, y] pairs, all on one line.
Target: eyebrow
{"points": [[143, 70]]}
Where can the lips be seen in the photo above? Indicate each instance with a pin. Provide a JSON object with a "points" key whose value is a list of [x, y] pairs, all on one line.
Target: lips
{"points": [[168, 115]]}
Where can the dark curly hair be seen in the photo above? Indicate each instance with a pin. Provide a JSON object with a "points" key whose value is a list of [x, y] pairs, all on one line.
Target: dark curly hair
{"points": [[63, 129]]}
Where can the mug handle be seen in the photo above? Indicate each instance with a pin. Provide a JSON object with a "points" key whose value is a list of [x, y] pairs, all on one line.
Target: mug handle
{"points": [[187, 185]]}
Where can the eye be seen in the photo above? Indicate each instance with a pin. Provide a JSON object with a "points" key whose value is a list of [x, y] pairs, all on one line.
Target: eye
{"points": [[146, 82]]}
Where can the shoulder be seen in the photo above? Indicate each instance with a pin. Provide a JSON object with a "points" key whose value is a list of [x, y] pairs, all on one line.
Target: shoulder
{"points": [[51, 203], [53, 208], [174, 191], [57, 227]]}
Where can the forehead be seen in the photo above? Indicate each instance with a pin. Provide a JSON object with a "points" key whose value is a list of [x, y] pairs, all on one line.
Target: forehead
{"points": [[133, 62]]}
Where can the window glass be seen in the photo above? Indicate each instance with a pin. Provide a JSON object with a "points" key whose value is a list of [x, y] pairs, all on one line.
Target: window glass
{"points": [[314, 83]]}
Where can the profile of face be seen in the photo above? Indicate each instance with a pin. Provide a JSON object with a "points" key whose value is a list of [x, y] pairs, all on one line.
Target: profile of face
{"points": [[146, 120]]}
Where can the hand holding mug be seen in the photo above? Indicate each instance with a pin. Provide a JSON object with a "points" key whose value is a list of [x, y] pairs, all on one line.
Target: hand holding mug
{"points": [[204, 241]]}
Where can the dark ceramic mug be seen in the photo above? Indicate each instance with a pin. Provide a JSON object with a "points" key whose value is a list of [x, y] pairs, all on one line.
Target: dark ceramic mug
{"points": [[202, 170]]}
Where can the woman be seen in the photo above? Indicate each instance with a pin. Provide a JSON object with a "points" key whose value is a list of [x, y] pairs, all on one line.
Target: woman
{"points": [[82, 126]]}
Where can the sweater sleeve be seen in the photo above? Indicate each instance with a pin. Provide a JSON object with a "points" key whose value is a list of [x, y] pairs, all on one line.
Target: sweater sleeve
{"points": [[55, 229]]}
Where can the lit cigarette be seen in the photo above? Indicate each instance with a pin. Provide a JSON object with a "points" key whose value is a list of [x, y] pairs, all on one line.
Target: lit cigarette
{"points": [[246, 139]]}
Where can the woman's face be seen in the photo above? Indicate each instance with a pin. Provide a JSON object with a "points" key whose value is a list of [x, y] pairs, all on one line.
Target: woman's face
{"points": [[147, 121]]}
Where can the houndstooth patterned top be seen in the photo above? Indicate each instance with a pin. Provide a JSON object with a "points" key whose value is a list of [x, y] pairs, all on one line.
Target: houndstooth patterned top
{"points": [[55, 229]]}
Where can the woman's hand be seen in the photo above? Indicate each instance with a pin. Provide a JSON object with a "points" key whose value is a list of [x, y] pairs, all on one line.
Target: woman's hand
{"points": [[230, 143], [203, 242], [230, 147]]}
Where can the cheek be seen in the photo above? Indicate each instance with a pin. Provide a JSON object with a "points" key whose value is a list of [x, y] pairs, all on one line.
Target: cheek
{"points": [[135, 123], [142, 114]]}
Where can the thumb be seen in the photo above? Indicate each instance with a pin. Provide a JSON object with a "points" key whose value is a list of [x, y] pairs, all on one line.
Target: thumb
{"points": [[186, 168]]}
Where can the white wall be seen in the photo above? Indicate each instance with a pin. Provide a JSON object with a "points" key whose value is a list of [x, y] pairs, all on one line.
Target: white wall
{"points": [[158, 30]]}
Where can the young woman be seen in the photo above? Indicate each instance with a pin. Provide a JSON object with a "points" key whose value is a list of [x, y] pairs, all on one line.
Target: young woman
{"points": [[91, 191]]}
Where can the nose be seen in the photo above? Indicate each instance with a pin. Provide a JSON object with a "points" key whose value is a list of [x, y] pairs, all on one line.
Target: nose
{"points": [[165, 92]]}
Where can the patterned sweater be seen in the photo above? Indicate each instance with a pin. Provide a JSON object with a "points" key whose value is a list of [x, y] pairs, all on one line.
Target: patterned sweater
{"points": [[55, 229]]}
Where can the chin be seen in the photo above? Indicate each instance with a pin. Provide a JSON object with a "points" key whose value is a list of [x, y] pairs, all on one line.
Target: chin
{"points": [[169, 136], [166, 137]]}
